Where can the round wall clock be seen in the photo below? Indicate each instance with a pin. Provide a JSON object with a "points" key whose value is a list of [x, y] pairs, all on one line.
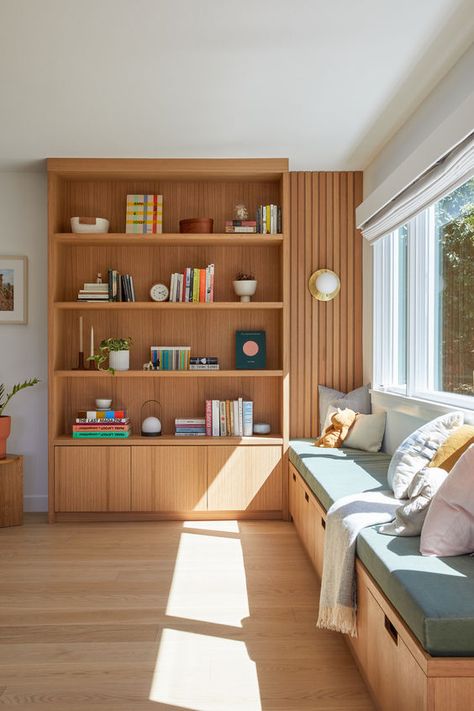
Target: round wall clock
{"points": [[159, 292]]}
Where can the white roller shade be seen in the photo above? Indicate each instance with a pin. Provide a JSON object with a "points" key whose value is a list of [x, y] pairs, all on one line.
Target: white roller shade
{"points": [[447, 174]]}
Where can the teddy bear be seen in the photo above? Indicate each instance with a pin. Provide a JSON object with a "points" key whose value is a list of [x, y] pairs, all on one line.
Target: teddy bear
{"points": [[336, 432]]}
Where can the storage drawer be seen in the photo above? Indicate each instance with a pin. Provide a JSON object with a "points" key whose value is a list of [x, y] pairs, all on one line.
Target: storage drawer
{"points": [[244, 478], [92, 478], [309, 519], [169, 478]]}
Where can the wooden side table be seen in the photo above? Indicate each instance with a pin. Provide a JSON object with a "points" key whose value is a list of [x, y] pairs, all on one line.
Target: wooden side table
{"points": [[11, 490]]}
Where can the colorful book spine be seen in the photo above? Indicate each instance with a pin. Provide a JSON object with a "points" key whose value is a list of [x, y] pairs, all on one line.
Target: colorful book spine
{"points": [[215, 418], [91, 427], [209, 418], [100, 435], [101, 414], [247, 418], [144, 214]]}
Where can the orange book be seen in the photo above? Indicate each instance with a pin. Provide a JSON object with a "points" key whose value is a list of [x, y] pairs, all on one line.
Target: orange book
{"points": [[202, 285]]}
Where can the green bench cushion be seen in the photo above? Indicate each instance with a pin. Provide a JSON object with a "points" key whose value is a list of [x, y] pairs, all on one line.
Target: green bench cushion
{"points": [[435, 596], [334, 473]]}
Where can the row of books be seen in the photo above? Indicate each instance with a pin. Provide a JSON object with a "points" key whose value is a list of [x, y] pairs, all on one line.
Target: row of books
{"points": [[101, 424], [144, 214], [240, 226], [268, 220], [195, 284], [170, 357], [118, 288], [229, 418]]}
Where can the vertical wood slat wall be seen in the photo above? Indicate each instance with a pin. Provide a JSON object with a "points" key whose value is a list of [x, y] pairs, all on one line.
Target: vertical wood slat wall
{"points": [[326, 338]]}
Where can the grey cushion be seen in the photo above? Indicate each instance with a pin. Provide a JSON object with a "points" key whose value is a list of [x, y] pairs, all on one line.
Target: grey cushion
{"points": [[333, 473], [357, 400], [435, 596]]}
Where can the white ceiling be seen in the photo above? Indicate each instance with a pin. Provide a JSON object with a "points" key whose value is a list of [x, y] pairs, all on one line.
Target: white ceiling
{"points": [[324, 82]]}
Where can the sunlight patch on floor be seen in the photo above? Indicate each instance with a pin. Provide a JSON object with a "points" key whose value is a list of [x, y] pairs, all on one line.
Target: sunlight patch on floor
{"points": [[209, 582], [224, 526], [199, 671]]}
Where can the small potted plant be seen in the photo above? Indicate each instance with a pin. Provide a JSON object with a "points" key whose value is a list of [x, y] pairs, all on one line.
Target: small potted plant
{"points": [[5, 420], [245, 286], [117, 350]]}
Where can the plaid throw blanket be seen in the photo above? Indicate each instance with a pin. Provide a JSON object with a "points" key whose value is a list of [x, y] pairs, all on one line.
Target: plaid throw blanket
{"points": [[345, 519]]}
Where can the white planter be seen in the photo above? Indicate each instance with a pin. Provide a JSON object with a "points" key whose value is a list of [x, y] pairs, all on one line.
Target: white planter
{"points": [[119, 360], [245, 289]]}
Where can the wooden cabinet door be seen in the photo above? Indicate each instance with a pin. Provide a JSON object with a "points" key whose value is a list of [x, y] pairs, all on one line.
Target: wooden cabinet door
{"points": [[318, 530], [169, 478], [244, 478], [92, 478]]}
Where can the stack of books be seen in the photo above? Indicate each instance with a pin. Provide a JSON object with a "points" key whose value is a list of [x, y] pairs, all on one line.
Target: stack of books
{"points": [[144, 214], [229, 418], [195, 284], [190, 427], [170, 357], [94, 293], [204, 363], [269, 219], [120, 287], [240, 226], [101, 424]]}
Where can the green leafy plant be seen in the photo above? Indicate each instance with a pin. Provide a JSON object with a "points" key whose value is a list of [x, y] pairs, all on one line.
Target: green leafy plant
{"points": [[6, 397], [107, 345], [244, 277]]}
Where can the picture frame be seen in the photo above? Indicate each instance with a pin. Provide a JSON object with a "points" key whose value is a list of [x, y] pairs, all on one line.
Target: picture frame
{"points": [[13, 289]]}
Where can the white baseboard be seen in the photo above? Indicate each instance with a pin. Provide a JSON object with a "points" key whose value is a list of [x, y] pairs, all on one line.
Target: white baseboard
{"points": [[35, 503]]}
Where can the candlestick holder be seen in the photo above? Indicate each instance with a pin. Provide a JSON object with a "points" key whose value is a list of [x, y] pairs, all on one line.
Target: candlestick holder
{"points": [[80, 361], [92, 365]]}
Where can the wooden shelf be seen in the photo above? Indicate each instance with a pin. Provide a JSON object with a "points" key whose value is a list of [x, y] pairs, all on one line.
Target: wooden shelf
{"points": [[169, 238], [167, 306], [170, 374], [67, 440]]}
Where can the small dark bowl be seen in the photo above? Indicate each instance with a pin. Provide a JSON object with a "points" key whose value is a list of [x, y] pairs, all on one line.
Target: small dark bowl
{"points": [[197, 225]]}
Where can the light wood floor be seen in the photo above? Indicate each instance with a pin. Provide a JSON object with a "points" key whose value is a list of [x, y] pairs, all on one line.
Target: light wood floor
{"points": [[130, 616]]}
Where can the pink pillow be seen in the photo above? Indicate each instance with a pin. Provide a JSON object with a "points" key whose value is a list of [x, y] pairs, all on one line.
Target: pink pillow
{"points": [[449, 523]]}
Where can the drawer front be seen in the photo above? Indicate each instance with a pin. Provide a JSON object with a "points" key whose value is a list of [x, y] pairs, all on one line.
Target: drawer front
{"points": [[92, 479], [244, 478], [169, 478], [309, 519]]}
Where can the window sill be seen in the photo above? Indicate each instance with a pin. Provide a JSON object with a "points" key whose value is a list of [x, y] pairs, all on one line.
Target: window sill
{"points": [[420, 406]]}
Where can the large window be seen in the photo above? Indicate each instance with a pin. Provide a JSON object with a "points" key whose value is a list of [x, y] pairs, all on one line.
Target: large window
{"points": [[424, 303]]}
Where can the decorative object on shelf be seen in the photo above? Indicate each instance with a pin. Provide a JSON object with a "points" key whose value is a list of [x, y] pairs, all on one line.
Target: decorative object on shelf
{"points": [[84, 225], [159, 292], [261, 428], [13, 290], [197, 225], [151, 425], [170, 357], [195, 284], [80, 357], [103, 404], [102, 423], [92, 363], [204, 363], [245, 286], [99, 278], [5, 420], [149, 366], [324, 285], [93, 292], [240, 212], [117, 350], [269, 219], [250, 350], [144, 214], [240, 226]]}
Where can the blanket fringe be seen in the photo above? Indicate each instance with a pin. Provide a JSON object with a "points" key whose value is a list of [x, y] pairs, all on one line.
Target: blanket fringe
{"points": [[339, 619]]}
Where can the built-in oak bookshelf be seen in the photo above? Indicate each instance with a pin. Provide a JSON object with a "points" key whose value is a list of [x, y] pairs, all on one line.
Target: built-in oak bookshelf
{"points": [[98, 187]]}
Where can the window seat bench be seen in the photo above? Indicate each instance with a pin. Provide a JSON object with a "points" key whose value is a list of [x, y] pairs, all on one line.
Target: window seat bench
{"points": [[415, 614]]}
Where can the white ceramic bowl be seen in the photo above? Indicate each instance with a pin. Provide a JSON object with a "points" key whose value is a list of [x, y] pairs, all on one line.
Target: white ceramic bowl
{"points": [[101, 225], [245, 288], [261, 428], [103, 404]]}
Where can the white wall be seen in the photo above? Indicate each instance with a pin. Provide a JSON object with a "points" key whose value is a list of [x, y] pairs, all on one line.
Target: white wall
{"points": [[23, 349]]}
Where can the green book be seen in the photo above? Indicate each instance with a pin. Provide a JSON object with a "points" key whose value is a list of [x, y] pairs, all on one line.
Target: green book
{"points": [[250, 350], [100, 435]]}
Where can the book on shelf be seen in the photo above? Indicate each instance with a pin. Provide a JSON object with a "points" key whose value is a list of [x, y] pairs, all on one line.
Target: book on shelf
{"points": [[170, 357], [100, 435], [204, 363], [240, 226], [190, 426], [269, 219], [144, 214], [195, 284], [119, 287], [93, 424], [250, 350], [229, 418], [101, 415]]}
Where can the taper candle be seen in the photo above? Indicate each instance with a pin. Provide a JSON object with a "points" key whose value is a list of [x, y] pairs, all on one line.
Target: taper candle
{"points": [[81, 334], [92, 341]]}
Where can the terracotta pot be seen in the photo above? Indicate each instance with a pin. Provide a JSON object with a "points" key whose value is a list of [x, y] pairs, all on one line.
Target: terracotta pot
{"points": [[5, 429]]}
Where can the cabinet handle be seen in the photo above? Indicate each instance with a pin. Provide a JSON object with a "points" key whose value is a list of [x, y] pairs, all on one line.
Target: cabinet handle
{"points": [[294, 477], [323, 523], [391, 630], [306, 496]]}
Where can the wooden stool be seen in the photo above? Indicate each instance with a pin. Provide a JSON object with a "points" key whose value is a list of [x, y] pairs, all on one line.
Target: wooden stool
{"points": [[11, 491]]}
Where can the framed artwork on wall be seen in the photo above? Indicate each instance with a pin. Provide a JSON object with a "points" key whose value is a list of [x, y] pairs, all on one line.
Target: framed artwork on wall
{"points": [[13, 290]]}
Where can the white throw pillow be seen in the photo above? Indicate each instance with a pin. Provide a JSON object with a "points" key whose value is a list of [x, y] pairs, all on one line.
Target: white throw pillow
{"points": [[410, 516], [366, 433], [417, 450], [357, 400], [449, 524]]}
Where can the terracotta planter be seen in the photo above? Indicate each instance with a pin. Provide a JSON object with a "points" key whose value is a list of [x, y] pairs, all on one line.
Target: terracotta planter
{"points": [[5, 429]]}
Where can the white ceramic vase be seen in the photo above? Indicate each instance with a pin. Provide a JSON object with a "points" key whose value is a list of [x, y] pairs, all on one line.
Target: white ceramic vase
{"points": [[245, 288], [119, 360]]}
